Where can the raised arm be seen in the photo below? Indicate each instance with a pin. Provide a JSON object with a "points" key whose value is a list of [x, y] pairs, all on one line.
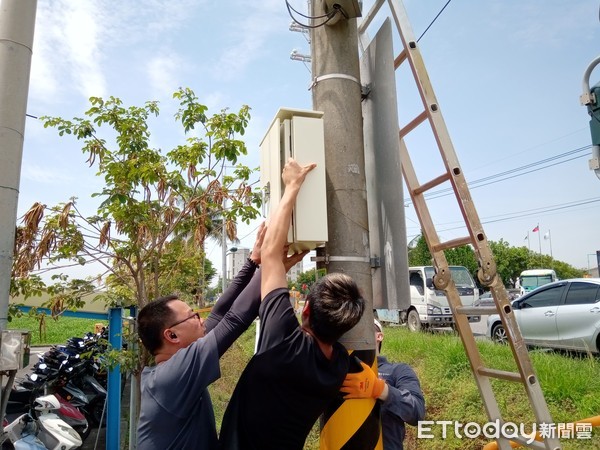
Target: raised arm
{"points": [[405, 399], [273, 267]]}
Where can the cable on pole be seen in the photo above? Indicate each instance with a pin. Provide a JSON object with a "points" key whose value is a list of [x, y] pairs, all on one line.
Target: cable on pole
{"points": [[328, 16]]}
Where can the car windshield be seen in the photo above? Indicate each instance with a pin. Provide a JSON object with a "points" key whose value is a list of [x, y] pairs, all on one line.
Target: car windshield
{"points": [[533, 281], [461, 276]]}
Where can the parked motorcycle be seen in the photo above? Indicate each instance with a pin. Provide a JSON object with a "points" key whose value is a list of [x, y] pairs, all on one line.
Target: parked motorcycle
{"points": [[23, 394], [74, 379], [40, 428]]}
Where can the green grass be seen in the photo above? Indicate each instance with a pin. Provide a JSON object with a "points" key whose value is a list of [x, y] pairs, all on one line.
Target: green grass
{"points": [[53, 331], [570, 384]]}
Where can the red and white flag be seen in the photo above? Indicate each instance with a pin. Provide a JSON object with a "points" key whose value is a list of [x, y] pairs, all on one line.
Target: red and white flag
{"points": [[537, 228]]}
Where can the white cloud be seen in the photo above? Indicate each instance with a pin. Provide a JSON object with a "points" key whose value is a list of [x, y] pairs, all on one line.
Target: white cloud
{"points": [[74, 38], [164, 70], [250, 36], [45, 175], [67, 53]]}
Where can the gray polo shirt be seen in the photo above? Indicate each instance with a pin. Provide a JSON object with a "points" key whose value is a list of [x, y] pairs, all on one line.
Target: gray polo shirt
{"points": [[176, 410]]}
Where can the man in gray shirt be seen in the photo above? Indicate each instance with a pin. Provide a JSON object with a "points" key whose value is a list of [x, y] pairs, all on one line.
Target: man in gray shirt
{"points": [[176, 410]]}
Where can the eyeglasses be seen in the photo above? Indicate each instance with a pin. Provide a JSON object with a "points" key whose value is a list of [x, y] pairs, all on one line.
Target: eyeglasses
{"points": [[196, 315]]}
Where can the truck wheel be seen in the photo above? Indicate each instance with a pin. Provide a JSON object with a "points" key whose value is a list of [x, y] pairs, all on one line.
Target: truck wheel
{"points": [[413, 322]]}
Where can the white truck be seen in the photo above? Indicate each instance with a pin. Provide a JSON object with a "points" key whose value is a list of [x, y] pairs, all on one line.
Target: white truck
{"points": [[534, 278], [428, 306]]}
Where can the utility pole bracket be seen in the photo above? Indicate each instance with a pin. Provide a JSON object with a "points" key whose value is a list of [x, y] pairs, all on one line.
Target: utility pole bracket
{"points": [[365, 90], [330, 76], [360, 259], [587, 98]]}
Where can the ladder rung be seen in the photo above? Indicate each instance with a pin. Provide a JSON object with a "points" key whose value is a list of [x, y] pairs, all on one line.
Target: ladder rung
{"points": [[413, 124], [476, 310], [453, 243], [502, 374], [431, 184], [400, 58]]}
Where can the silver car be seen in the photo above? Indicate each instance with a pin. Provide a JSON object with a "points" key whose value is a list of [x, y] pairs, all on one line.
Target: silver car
{"points": [[562, 315]]}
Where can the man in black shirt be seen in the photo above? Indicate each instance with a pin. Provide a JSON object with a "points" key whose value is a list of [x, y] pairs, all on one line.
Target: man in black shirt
{"points": [[298, 369]]}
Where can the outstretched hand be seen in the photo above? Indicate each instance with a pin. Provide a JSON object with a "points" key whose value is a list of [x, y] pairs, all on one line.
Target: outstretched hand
{"points": [[364, 384], [260, 236], [291, 260], [294, 173]]}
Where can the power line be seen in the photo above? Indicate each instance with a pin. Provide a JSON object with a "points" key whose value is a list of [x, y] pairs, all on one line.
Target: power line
{"points": [[328, 16], [519, 214], [536, 212], [434, 19], [509, 174], [532, 211], [516, 175]]}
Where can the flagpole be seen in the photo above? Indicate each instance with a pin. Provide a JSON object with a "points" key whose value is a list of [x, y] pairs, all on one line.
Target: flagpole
{"points": [[550, 242], [539, 240]]}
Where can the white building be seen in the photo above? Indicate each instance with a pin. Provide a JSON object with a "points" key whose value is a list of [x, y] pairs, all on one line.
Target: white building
{"points": [[235, 261], [292, 275]]}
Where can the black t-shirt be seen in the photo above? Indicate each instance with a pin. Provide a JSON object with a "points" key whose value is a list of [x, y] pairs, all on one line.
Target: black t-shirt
{"points": [[286, 385]]}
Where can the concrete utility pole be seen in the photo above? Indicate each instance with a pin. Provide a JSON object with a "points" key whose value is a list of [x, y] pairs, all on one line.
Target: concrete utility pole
{"points": [[336, 91], [17, 23]]}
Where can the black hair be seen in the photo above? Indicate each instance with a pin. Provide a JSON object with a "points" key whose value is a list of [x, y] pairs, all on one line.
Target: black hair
{"points": [[336, 305], [152, 320]]}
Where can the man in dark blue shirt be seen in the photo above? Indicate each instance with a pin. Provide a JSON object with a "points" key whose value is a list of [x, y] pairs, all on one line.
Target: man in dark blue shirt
{"points": [[400, 396], [404, 403]]}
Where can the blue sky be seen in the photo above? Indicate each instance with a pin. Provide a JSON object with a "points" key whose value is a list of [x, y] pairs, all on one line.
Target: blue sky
{"points": [[507, 75]]}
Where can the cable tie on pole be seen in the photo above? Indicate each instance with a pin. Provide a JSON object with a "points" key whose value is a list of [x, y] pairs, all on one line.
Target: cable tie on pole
{"points": [[332, 76], [327, 259]]}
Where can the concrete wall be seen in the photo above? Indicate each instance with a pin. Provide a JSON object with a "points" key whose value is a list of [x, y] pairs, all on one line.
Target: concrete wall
{"points": [[90, 304]]}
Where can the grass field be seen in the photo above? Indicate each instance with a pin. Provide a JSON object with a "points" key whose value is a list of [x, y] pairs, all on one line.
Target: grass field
{"points": [[53, 331], [571, 384]]}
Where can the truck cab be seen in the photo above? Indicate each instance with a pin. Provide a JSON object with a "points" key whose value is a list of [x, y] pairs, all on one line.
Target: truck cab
{"points": [[534, 278], [429, 306]]}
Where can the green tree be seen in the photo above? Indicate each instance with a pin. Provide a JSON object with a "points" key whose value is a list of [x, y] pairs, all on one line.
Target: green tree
{"points": [[510, 261], [460, 256], [307, 279], [419, 255], [156, 209]]}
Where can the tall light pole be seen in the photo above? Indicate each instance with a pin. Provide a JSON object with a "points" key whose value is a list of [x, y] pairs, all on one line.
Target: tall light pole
{"points": [[223, 253], [17, 23], [589, 266], [549, 237]]}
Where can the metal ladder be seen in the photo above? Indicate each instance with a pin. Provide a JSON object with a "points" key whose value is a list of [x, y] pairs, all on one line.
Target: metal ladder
{"points": [[476, 237]]}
